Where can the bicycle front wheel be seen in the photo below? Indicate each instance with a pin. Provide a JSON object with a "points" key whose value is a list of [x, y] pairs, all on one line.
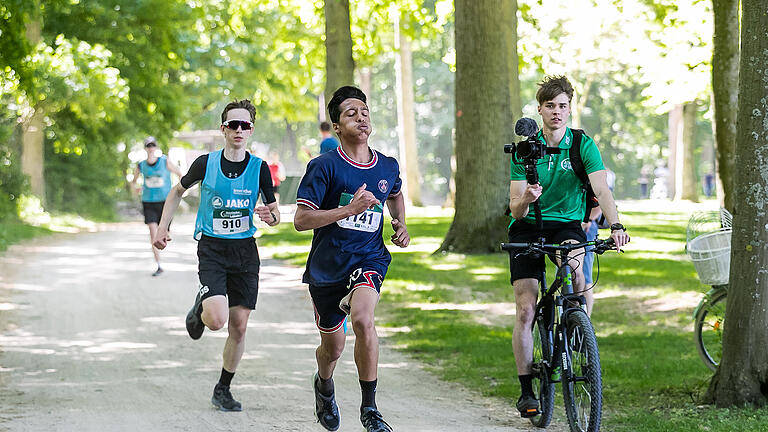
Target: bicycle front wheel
{"points": [[708, 329], [582, 383], [543, 387]]}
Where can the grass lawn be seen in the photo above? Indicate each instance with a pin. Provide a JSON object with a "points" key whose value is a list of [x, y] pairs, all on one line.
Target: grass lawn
{"points": [[455, 313]]}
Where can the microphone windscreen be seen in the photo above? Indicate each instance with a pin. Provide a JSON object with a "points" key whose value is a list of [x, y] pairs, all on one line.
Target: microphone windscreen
{"points": [[526, 127]]}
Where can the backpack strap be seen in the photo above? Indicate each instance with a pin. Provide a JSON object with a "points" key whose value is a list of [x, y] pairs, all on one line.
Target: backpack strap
{"points": [[574, 154], [577, 164]]}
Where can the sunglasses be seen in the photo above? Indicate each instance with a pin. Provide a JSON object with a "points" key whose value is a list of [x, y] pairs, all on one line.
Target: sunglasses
{"points": [[242, 124], [150, 145]]}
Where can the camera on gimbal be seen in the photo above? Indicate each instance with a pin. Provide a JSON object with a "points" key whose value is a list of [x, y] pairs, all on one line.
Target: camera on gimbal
{"points": [[529, 150]]}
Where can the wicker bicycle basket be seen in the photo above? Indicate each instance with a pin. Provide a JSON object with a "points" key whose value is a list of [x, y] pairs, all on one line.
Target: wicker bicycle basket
{"points": [[709, 245]]}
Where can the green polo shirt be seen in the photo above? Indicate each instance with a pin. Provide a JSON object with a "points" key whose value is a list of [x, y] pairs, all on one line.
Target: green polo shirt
{"points": [[562, 197]]}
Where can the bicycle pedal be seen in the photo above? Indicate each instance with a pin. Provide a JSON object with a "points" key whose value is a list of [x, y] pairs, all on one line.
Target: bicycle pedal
{"points": [[529, 413]]}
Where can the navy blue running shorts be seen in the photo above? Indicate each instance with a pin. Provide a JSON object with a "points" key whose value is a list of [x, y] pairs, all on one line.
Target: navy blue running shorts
{"points": [[331, 303], [525, 266], [229, 267]]}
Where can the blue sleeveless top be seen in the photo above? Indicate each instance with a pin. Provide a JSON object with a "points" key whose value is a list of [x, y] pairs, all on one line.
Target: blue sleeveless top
{"points": [[226, 204], [157, 180]]}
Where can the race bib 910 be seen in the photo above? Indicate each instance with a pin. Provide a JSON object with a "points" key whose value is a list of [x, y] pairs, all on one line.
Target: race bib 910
{"points": [[231, 221], [367, 221]]}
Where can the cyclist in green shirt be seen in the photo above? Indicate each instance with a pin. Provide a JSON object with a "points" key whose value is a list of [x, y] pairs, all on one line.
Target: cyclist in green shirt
{"points": [[562, 200]]}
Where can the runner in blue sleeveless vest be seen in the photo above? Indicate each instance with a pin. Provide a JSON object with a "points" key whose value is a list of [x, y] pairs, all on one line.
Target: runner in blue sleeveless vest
{"points": [[340, 197], [231, 182], [156, 171]]}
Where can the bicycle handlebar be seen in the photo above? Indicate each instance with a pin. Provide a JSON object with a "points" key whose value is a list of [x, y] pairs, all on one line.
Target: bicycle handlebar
{"points": [[541, 247]]}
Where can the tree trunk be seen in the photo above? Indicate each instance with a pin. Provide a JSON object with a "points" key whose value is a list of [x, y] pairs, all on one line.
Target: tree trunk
{"points": [[32, 159], [688, 154], [339, 66], [513, 62], [725, 82], [483, 125], [364, 76], [406, 120], [742, 377], [674, 180]]}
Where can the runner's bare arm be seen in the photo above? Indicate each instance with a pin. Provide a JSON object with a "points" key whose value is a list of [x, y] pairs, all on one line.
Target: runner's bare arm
{"points": [[396, 206], [307, 218], [172, 167], [171, 204]]}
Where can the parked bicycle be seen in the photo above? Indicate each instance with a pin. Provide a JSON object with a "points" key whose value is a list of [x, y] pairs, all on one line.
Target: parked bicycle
{"points": [[564, 343], [709, 247]]}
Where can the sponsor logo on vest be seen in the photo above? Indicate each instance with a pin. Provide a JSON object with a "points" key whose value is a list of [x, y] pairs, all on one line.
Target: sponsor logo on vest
{"points": [[231, 214], [217, 202], [242, 192], [566, 164], [238, 203], [383, 185]]}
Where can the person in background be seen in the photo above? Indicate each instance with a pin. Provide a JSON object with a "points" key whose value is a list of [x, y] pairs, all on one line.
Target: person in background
{"points": [[156, 171], [596, 221], [277, 171], [329, 142], [231, 181]]}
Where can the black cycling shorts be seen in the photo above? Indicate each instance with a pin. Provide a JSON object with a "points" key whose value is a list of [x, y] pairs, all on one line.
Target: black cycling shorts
{"points": [[329, 315], [526, 266], [152, 211], [229, 267]]}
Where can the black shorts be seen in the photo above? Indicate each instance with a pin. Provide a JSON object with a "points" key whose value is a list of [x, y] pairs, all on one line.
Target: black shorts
{"points": [[329, 315], [525, 266], [152, 211], [231, 268]]}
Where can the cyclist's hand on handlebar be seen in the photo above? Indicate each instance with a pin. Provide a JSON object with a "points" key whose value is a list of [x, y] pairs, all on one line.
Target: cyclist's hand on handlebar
{"points": [[532, 192], [620, 238]]}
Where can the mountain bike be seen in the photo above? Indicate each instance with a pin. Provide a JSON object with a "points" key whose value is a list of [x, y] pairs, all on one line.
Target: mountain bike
{"points": [[564, 343]]}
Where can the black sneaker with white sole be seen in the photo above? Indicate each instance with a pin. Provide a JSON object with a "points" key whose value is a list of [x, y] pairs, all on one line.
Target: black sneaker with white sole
{"points": [[195, 324], [326, 410], [223, 400], [372, 420]]}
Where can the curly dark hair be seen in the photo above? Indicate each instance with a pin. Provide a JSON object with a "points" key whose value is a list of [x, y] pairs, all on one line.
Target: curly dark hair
{"points": [[339, 96]]}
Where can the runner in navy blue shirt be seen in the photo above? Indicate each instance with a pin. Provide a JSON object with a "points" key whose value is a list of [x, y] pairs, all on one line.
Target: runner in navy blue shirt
{"points": [[341, 198], [231, 181]]}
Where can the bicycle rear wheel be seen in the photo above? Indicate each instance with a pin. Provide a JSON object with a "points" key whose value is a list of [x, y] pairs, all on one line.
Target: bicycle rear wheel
{"points": [[543, 387], [582, 384], [708, 329]]}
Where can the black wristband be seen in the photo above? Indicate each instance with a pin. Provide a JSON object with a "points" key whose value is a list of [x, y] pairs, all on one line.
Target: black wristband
{"points": [[617, 226]]}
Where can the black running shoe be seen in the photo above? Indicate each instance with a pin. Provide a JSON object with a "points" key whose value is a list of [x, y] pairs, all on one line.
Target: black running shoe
{"points": [[195, 324], [223, 400], [528, 406], [372, 421], [326, 410], [158, 272]]}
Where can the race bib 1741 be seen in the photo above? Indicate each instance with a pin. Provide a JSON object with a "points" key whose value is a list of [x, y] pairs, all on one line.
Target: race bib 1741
{"points": [[367, 221], [231, 221]]}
